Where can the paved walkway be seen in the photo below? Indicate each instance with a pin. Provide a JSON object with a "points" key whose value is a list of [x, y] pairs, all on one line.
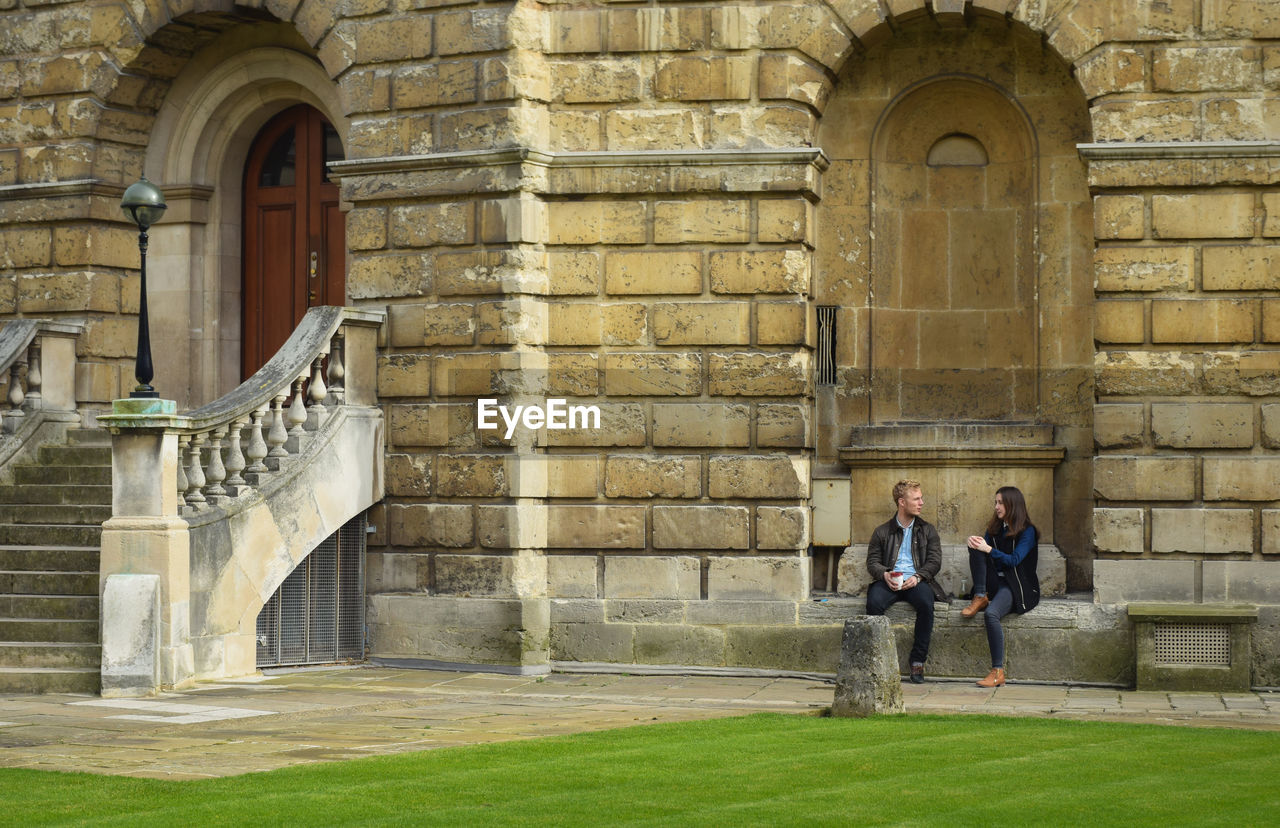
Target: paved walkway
{"points": [[293, 718]]}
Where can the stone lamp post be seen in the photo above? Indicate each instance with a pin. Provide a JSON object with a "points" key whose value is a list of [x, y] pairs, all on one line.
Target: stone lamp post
{"points": [[144, 204]]}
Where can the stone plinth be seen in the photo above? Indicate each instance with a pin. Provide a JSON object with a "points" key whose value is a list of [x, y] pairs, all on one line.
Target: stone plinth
{"points": [[867, 681], [130, 635]]}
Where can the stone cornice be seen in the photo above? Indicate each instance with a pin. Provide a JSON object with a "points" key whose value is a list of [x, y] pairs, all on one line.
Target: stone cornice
{"points": [[59, 189], [1178, 150]]}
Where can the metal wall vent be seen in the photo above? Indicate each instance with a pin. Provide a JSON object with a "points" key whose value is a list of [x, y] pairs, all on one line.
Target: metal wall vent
{"points": [[826, 361], [317, 614], [1193, 645]]}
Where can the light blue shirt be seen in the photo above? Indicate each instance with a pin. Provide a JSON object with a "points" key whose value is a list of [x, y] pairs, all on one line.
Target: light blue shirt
{"points": [[906, 564]]}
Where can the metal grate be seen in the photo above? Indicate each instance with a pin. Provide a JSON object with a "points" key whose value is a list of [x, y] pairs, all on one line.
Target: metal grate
{"points": [[1193, 645], [826, 345], [317, 614]]}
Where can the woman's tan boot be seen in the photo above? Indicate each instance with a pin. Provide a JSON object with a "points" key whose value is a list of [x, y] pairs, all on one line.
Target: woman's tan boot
{"points": [[994, 679], [977, 605]]}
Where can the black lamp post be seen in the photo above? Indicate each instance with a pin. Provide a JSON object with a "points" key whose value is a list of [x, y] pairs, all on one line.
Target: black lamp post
{"points": [[144, 204]]}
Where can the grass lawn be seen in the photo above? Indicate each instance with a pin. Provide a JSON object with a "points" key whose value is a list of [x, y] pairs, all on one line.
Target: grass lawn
{"points": [[753, 770]]}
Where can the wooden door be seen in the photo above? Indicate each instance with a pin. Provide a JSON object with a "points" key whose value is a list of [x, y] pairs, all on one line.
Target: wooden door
{"points": [[294, 233]]}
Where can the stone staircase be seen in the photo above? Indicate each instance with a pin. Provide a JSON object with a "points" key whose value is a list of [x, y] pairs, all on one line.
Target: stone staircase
{"points": [[50, 537]]}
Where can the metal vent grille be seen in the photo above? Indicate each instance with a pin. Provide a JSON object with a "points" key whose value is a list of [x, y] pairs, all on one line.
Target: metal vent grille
{"points": [[317, 614], [826, 345], [1193, 645]]}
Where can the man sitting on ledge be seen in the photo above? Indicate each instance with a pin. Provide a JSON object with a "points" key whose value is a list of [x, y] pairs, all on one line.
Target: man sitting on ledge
{"points": [[903, 560]]}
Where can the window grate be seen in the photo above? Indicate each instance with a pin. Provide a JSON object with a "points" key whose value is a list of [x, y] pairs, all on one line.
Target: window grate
{"points": [[1193, 645], [826, 345]]}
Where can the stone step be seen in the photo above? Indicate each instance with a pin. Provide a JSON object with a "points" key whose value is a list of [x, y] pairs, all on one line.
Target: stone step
{"points": [[50, 680], [48, 559], [88, 437], [49, 654], [43, 629], [60, 513], [80, 455], [24, 475], [48, 583], [48, 534], [97, 495], [50, 607]]}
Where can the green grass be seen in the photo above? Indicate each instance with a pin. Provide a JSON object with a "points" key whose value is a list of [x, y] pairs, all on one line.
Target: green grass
{"points": [[754, 770]]}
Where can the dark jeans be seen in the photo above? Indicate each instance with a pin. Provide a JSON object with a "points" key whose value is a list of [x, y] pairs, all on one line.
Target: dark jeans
{"points": [[978, 562], [920, 596], [1000, 606]]}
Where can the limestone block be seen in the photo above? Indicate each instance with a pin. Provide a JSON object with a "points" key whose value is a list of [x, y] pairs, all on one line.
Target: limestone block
{"points": [[756, 374], [1271, 320], [427, 225], [620, 425], [1271, 201], [787, 77], [521, 525], [1183, 216], [42, 293], [653, 272], [653, 476], [1118, 217], [649, 129], [1206, 69], [1271, 531], [1245, 582], [466, 375], [571, 576], [663, 374], [573, 375], [784, 125], [783, 220], [131, 640], [1242, 478], [96, 381], [772, 477], [596, 222], [782, 425], [1144, 268], [1118, 425], [1112, 69], [720, 221], [1140, 373], [656, 29], [1122, 322], [472, 475], [1119, 531], [475, 575], [595, 527], [607, 643], [701, 527], [679, 644], [1271, 425], [651, 577], [573, 274], [1237, 119], [1121, 582], [1254, 373], [404, 375], [764, 271], [432, 424], [741, 612], [596, 81], [1169, 119], [446, 83], [785, 527], [867, 681], [701, 424], [380, 276], [714, 78], [408, 475], [1123, 477], [577, 611], [477, 30], [1202, 531], [758, 578], [1228, 267], [108, 337], [22, 247], [1202, 425], [431, 524], [807, 648], [784, 323], [702, 323]]}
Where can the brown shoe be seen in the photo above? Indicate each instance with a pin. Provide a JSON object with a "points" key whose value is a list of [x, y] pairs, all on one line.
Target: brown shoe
{"points": [[994, 679], [977, 605]]}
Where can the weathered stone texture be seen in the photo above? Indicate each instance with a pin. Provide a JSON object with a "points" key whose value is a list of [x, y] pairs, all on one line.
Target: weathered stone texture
{"points": [[1202, 531], [1144, 478], [701, 527], [1119, 530], [1202, 425]]}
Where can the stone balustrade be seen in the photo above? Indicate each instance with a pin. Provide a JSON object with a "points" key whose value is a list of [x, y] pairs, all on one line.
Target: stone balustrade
{"points": [[38, 358]]}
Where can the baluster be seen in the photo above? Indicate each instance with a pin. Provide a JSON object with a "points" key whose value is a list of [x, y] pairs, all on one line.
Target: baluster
{"points": [[195, 472], [183, 441], [16, 395], [277, 434], [35, 379], [217, 472], [316, 392], [337, 369], [297, 410], [235, 458], [257, 450]]}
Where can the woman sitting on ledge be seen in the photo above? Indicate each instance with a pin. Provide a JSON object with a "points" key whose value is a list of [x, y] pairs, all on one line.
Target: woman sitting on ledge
{"points": [[1003, 565]]}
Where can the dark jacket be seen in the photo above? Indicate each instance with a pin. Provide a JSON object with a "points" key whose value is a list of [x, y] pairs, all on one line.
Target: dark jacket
{"points": [[1017, 565], [926, 552]]}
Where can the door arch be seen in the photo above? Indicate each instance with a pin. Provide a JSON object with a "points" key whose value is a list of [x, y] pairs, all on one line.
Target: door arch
{"points": [[294, 232]]}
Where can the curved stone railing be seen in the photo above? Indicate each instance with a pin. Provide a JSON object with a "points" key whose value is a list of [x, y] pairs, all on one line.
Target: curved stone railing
{"points": [[38, 358]]}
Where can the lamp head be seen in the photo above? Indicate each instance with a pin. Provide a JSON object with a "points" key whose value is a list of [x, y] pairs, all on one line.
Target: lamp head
{"points": [[143, 204]]}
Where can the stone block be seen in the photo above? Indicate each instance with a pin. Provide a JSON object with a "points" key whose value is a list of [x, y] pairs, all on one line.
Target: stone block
{"points": [[652, 271], [654, 129], [1206, 68], [427, 225], [701, 424], [431, 524], [386, 275], [487, 576], [1202, 531], [577, 611], [1144, 478], [782, 527], [1251, 372], [782, 425], [596, 222], [647, 475], [1230, 267], [131, 643], [571, 576], [408, 475], [607, 643], [595, 527], [1142, 373], [760, 271], [758, 374], [472, 475], [1167, 119], [1183, 216], [782, 221], [1122, 322], [659, 577], [448, 324], [620, 425], [43, 293], [808, 648], [1121, 582], [721, 613], [1118, 425], [23, 247], [784, 323], [702, 323], [573, 274], [573, 475], [679, 644], [1202, 320], [664, 374], [721, 222], [772, 477], [1271, 320], [701, 527], [716, 78], [432, 424], [1144, 268], [404, 375], [612, 82], [1202, 425], [1119, 531], [476, 30], [758, 578], [1119, 217], [867, 681], [1242, 478], [1241, 582]]}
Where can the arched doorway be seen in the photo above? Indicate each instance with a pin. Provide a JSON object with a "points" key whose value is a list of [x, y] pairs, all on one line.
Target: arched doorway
{"points": [[294, 233]]}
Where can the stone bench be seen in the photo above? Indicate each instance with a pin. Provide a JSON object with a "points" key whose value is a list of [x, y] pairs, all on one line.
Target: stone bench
{"points": [[1184, 646], [954, 578]]}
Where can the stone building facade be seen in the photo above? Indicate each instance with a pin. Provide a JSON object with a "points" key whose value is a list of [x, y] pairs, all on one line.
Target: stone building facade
{"points": [[779, 245]]}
